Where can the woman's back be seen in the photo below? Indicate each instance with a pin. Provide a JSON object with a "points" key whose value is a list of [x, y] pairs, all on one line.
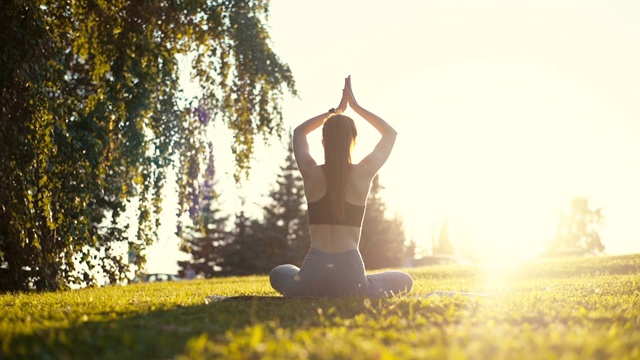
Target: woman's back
{"points": [[337, 237], [345, 184]]}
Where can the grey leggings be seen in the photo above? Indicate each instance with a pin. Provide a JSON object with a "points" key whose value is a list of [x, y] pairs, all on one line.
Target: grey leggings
{"points": [[325, 274]]}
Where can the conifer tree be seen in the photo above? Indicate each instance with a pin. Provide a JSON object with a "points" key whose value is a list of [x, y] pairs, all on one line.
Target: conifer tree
{"points": [[256, 247], [244, 254], [282, 236], [286, 225], [383, 241], [208, 236]]}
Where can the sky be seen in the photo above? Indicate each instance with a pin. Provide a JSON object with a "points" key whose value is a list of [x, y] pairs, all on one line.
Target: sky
{"points": [[505, 111]]}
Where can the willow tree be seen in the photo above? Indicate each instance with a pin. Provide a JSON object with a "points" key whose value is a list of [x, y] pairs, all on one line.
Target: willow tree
{"points": [[92, 117]]}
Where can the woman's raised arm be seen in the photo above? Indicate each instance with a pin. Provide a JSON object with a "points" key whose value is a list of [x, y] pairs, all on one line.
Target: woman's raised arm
{"points": [[300, 143], [381, 152]]}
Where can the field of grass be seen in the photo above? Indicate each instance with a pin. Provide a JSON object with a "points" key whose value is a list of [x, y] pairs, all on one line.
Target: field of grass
{"points": [[555, 309]]}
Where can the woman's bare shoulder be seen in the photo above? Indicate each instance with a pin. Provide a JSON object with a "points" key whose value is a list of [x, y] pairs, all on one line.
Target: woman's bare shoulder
{"points": [[315, 171], [363, 172], [361, 181], [314, 183]]}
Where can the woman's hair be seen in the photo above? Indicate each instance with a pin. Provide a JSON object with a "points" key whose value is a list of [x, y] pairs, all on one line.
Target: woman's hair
{"points": [[339, 135]]}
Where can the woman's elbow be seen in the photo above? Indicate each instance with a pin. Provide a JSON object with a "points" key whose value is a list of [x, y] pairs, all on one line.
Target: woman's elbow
{"points": [[391, 133], [299, 132]]}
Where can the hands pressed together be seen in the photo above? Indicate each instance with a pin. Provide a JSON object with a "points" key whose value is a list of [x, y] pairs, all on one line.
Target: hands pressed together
{"points": [[347, 97]]}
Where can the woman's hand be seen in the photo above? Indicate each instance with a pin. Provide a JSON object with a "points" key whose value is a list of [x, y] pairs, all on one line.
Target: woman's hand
{"points": [[343, 103], [351, 99]]}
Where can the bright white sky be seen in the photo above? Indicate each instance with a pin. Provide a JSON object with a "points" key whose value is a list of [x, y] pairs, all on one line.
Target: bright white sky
{"points": [[505, 110]]}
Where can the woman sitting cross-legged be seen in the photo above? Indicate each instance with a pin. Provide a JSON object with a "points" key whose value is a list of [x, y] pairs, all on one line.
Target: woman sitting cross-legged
{"points": [[336, 194]]}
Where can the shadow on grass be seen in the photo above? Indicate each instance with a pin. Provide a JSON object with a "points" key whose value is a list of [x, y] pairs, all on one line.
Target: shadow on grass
{"points": [[164, 333]]}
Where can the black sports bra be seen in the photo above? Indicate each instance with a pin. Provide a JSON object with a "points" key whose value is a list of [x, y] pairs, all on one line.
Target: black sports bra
{"points": [[320, 213]]}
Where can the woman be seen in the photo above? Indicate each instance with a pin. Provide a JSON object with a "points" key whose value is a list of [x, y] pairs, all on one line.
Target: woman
{"points": [[336, 195]]}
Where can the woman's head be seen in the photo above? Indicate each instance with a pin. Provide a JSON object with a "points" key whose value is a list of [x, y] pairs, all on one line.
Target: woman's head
{"points": [[338, 137]]}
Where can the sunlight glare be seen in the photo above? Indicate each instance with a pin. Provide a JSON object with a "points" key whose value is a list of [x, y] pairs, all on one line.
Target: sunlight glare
{"points": [[472, 150]]}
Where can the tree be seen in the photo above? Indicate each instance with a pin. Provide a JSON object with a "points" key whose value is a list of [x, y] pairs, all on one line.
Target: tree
{"points": [[91, 119], [208, 237], [283, 234], [246, 254], [578, 229], [383, 242], [285, 218]]}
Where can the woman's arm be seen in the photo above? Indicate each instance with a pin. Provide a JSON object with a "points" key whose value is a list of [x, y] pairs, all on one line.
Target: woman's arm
{"points": [[300, 143], [381, 152]]}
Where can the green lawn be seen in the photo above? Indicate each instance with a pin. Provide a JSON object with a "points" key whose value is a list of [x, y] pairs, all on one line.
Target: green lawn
{"points": [[562, 309]]}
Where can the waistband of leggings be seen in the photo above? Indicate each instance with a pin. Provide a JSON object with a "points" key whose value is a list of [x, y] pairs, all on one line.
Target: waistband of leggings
{"points": [[345, 254]]}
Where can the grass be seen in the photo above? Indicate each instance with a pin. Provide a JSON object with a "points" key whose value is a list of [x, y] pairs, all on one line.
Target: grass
{"points": [[556, 309]]}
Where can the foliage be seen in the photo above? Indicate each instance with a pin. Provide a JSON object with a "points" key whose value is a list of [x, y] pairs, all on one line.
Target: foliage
{"points": [[209, 234], [254, 246], [555, 309], [578, 229], [91, 120], [383, 242], [244, 254], [282, 236], [285, 219]]}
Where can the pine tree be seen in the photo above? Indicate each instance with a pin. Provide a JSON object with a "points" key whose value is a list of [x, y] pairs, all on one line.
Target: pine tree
{"points": [[207, 238], [256, 247], [244, 254], [286, 225], [383, 242]]}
